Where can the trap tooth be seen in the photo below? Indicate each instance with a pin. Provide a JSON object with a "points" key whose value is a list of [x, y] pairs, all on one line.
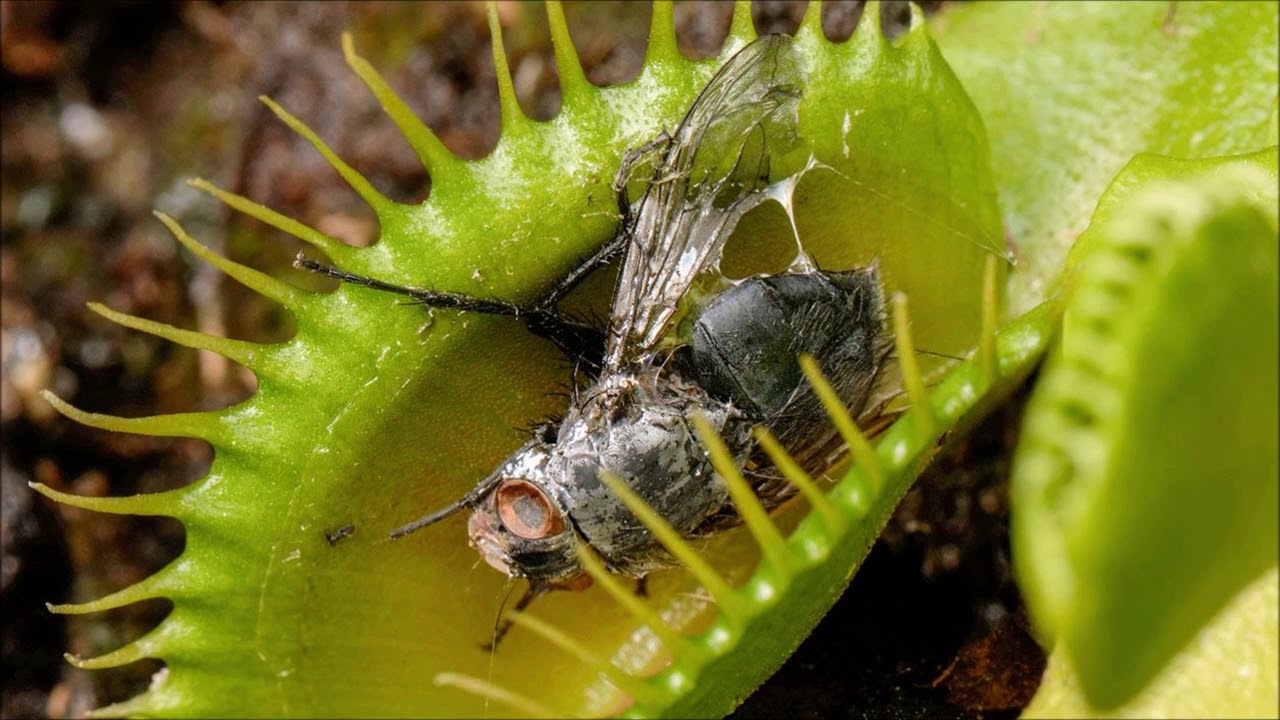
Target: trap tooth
{"points": [[435, 157], [381, 204], [259, 282], [868, 32], [167, 503], [513, 117], [863, 453], [741, 28], [204, 426], [990, 306], [239, 351], [662, 49], [753, 514], [677, 643], [624, 681], [730, 604], [811, 23], [916, 28], [159, 584], [831, 516], [144, 647], [337, 250], [574, 85], [921, 407], [526, 706]]}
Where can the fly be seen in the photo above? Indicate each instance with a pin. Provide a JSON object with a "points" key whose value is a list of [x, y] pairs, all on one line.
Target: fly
{"points": [[680, 340]]}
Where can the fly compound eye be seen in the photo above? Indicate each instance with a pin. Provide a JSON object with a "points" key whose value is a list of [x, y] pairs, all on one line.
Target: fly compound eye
{"points": [[526, 511]]}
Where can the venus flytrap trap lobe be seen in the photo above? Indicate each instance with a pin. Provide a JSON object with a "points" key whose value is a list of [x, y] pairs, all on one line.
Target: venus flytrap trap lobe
{"points": [[783, 559], [1174, 280], [327, 625]]}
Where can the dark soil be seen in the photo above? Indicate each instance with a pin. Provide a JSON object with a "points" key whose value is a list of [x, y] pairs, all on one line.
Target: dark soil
{"points": [[110, 106]]}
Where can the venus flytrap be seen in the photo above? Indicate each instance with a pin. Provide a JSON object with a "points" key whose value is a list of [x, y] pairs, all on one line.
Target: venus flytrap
{"points": [[374, 411]]}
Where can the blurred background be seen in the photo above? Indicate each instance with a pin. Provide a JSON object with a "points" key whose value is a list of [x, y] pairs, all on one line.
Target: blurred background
{"points": [[109, 107]]}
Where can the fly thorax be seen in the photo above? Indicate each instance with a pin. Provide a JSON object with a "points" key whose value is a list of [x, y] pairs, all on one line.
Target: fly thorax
{"points": [[637, 426]]}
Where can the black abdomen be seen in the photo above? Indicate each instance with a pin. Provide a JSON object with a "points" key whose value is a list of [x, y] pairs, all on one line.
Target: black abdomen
{"points": [[746, 342]]}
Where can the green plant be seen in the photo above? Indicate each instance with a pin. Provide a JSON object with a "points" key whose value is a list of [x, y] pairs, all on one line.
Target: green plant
{"points": [[371, 413]]}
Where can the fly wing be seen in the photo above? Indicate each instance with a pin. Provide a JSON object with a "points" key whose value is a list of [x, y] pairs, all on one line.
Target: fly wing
{"points": [[714, 169]]}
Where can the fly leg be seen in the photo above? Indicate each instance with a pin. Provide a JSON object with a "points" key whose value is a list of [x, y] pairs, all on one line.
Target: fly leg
{"points": [[617, 245], [634, 158], [504, 624], [576, 339]]}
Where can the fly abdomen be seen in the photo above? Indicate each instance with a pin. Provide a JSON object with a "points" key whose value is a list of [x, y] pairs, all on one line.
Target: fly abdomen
{"points": [[746, 342]]}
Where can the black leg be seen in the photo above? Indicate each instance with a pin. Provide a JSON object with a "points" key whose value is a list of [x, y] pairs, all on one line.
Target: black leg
{"points": [[629, 162], [606, 253], [430, 298], [576, 339], [617, 245], [504, 626]]}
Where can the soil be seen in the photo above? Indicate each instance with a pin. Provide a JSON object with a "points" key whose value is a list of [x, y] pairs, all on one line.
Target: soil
{"points": [[110, 107]]}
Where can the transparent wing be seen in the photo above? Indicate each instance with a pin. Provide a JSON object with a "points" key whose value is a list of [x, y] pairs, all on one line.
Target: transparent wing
{"points": [[714, 169]]}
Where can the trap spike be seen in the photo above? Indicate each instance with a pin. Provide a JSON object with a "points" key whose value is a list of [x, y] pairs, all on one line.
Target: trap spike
{"points": [[337, 250], [196, 425], [259, 282], [157, 585], [160, 503], [380, 203], [143, 647], [438, 159], [512, 115], [863, 453], [677, 643], [616, 675], [239, 351], [742, 29], [921, 408], [573, 81], [916, 27], [869, 27], [753, 514], [662, 47], [525, 706], [811, 23], [821, 504], [987, 361], [724, 595]]}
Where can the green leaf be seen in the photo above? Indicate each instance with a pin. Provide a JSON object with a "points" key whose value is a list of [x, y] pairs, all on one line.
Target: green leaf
{"points": [[1146, 485], [1071, 91], [1227, 670]]}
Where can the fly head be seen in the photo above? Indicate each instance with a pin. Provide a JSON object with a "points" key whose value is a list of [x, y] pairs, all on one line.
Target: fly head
{"points": [[522, 530]]}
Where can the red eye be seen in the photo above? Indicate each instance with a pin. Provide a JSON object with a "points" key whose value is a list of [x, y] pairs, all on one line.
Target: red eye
{"points": [[526, 511]]}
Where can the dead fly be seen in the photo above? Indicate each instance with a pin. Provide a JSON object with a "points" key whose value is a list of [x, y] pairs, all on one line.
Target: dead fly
{"points": [[681, 339]]}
